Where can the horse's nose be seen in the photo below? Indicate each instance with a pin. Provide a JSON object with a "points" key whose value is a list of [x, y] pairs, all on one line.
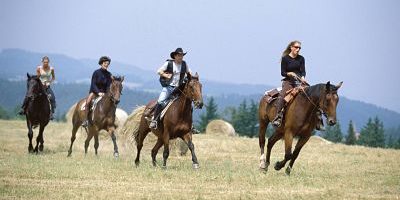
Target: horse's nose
{"points": [[117, 101], [331, 122], [201, 105]]}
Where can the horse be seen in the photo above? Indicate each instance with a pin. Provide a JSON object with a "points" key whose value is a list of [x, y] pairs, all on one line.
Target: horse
{"points": [[177, 121], [103, 117], [300, 120], [37, 111]]}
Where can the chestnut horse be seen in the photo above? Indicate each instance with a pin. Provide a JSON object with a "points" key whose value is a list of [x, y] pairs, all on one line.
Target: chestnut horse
{"points": [[177, 121], [299, 121], [104, 117], [37, 111]]}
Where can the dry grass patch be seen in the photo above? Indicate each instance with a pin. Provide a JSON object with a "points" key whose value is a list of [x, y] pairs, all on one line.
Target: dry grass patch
{"points": [[229, 170]]}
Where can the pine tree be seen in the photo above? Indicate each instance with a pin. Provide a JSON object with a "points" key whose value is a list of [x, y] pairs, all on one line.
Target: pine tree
{"points": [[351, 134], [4, 114], [333, 133], [210, 114], [372, 134]]}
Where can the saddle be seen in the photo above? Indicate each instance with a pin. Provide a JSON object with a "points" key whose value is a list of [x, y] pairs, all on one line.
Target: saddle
{"points": [[94, 103], [150, 107], [271, 95]]}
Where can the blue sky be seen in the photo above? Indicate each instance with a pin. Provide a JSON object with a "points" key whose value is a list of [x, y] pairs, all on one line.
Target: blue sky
{"points": [[354, 41]]}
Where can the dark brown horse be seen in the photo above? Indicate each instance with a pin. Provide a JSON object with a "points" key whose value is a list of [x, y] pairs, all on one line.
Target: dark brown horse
{"points": [[177, 122], [104, 117], [37, 111], [300, 119]]}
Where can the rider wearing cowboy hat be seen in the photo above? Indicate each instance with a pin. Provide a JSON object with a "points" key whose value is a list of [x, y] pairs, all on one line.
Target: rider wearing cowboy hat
{"points": [[172, 74]]}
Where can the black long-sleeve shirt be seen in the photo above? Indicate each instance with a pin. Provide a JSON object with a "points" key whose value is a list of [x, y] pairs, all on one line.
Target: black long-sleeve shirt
{"points": [[101, 81], [296, 65]]}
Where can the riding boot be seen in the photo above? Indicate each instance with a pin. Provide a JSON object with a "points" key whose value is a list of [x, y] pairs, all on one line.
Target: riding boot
{"points": [[277, 122], [156, 116], [87, 109], [22, 111], [320, 122]]}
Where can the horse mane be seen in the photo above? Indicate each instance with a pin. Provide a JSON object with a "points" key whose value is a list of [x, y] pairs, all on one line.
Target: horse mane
{"points": [[316, 91], [118, 78]]}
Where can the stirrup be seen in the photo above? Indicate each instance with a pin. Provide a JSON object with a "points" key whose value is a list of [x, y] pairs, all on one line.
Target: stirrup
{"points": [[153, 124], [85, 123], [277, 122]]}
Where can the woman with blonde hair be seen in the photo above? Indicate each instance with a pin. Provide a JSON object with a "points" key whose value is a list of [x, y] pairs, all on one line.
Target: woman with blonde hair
{"points": [[294, 73]]}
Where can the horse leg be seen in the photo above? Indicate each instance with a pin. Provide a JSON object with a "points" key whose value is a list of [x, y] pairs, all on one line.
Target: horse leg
{"points": [[288, 150], [41, 139], [111, 132], [141, 135], [300, 143], [188, 139], [166, 147], [30, 136], [88, 138], [261, 142], [155, 149], [96, 142], [74, 130], [271, 142]]}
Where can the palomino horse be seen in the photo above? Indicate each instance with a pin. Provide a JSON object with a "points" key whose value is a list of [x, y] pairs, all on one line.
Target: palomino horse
{"points": [[37, 111], [177, 121], [104, 117], [300, 119]]}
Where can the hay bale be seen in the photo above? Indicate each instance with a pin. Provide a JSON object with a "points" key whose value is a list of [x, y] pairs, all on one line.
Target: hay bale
{"points": [[120, 117], [220, 127]]}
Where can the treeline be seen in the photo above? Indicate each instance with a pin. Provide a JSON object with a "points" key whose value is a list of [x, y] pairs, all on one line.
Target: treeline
{"points": [[244, 119]]}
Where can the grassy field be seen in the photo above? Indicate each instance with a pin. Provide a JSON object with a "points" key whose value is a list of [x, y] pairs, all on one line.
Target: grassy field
{"points": [[229, 170]]}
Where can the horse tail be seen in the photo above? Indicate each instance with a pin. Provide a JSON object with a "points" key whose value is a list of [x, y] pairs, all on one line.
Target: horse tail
{"points": [[131, 126]]}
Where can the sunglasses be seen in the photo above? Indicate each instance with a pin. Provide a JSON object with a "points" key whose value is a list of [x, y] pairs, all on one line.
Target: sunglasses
{"points": [[297, 47]]}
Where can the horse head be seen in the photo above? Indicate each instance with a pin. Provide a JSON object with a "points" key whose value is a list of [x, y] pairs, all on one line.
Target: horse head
{"points": [[193, 91], [115, 90], [329, 101], [34, 86]]}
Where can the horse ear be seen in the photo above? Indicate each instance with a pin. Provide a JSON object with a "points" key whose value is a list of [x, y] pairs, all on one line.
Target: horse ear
{"points": [[27, 75], [339, 85], [197, 75], [112, 78], [189, 75], [122, 78], [328, 86]]}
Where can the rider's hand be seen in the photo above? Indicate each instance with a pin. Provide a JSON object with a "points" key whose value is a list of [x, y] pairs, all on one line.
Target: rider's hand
{"points": [[101, 94], [292, 74], [167, 75]]}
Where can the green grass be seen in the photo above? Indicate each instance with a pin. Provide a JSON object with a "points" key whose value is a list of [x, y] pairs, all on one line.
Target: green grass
{"points": [[229, 170]]}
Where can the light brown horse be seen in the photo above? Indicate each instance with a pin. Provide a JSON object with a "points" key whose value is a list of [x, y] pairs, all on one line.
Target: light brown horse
{"points": [[299, 121], [177, 121], [104, 117]]}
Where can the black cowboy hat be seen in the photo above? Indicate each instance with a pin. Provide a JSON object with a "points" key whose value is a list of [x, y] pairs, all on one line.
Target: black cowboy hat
{"points": [[104, 59], [177, 51]]}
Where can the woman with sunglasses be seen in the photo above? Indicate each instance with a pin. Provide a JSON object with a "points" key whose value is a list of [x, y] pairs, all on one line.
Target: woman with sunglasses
{"points": [[294, 73]]}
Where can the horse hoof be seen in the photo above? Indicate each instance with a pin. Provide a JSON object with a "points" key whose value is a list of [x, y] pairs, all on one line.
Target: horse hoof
{"points": [[288, 170], [277, 167], [196, 166], [137, 163], [116, 155], [41, 147]]}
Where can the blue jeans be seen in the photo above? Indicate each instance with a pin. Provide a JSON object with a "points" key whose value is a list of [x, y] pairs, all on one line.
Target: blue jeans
{"points": [[165, 92], [52, 98]]}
